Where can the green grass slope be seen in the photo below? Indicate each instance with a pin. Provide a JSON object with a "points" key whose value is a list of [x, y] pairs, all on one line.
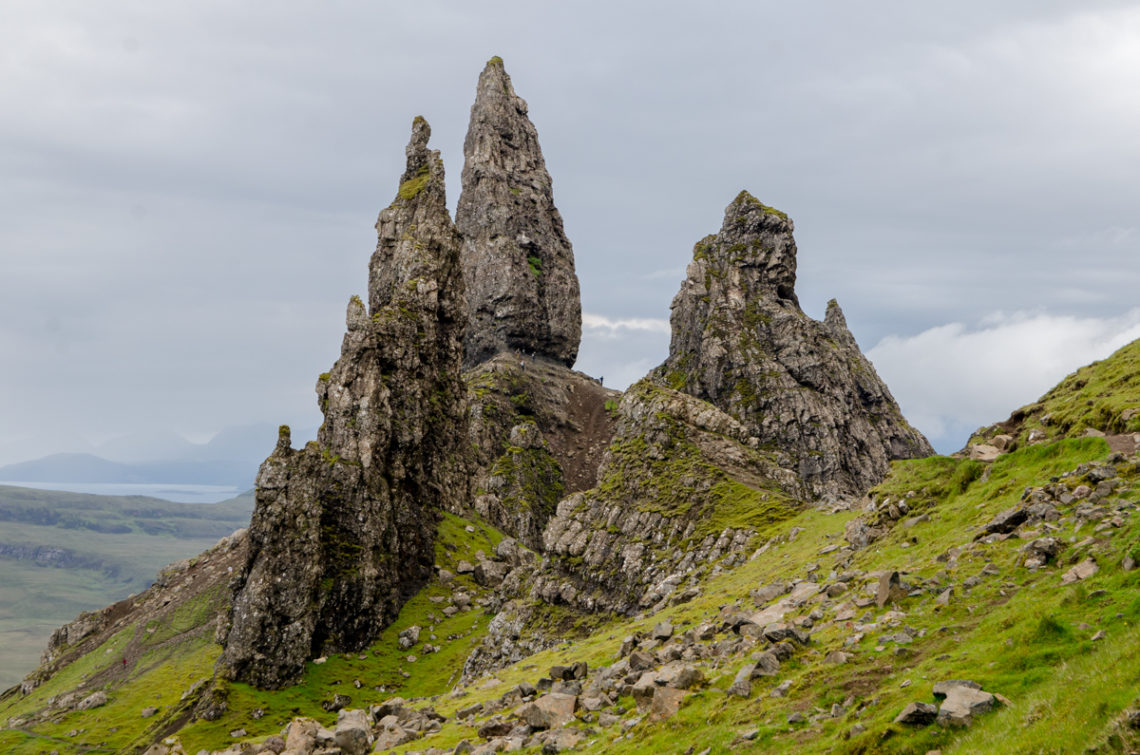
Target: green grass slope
{"points": [[169, 653], [1102, 397], [63, 553], [1058, 645], [1017, 632]]}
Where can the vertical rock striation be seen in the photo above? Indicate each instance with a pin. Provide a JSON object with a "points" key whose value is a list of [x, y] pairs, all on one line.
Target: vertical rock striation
{"points": [[522, 292], [741, 342], [343, 531]]}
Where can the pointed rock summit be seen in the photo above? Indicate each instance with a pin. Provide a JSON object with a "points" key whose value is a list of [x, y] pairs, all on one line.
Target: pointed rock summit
{"points": [[522, 292], [343, 530], [741, 342]]}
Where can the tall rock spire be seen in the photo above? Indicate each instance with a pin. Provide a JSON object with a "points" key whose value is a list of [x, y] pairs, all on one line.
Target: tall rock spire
{"points": [[802, 387], [522, 292], [343, 530]]}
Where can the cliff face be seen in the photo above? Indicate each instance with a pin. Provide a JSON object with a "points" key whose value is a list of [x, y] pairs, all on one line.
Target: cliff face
{"points": [[741, 342], [538, 431], [522, 292], [343, 530], [681, 487]]}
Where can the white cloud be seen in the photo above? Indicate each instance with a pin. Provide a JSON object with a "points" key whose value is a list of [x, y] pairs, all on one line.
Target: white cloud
{"points": [[952, 379], [612, 327]]}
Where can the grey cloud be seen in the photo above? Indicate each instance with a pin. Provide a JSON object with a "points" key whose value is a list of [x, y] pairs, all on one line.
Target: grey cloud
{"points": [[187, 190]]}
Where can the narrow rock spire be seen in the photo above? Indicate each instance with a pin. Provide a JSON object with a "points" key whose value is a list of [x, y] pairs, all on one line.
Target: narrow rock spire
{"points": [[741, 342], [522, 292], [343, 529]]}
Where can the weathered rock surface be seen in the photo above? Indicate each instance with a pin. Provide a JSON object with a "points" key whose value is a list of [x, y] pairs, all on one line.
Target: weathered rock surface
{"points": [[917, 714], [962, 704], [539, 431], [741, 342], [522, 292], [343, 530], [607, 551]]}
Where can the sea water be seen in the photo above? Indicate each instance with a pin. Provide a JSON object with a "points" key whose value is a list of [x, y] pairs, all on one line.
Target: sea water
{"points": [[177, 492]]}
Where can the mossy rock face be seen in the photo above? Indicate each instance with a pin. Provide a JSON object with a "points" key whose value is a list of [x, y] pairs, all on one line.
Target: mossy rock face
{"points": [[538, 432], [742, 343], [681, 489], [342, 531]]}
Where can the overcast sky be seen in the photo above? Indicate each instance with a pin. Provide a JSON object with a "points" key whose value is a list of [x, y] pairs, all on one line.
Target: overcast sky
{"points": [[188, 189]]}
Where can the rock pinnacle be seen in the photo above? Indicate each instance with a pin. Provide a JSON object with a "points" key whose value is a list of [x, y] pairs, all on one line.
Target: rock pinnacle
{"points": [[522, 292], [343, 530], [741, 342]]}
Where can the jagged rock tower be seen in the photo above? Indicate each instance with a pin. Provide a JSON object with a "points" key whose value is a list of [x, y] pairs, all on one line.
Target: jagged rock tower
{"points": [[522, 292], [344, 528], [741, 342]]}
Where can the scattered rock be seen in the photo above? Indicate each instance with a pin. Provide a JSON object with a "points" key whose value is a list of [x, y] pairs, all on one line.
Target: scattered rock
{"points": [[1083, 570], [666, 703], [94, 700], [549, 711], [353, 733], [408, 637], [890, 590]]}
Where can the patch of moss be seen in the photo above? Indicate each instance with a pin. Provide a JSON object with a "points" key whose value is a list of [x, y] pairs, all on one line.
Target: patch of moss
{"points": [[745, 197], [414, 185]]}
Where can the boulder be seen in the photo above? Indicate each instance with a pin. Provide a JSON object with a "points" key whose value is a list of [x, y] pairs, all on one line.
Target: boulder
{"points": [[353, 733], [666, 703], [549, 711], [917, 714], [962, 704], [890, 589], [1083, 570], [680, 675], [94, 700]]}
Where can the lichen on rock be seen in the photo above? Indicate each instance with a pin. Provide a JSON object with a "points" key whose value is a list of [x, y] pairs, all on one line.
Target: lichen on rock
{"points": [[343, 530]]}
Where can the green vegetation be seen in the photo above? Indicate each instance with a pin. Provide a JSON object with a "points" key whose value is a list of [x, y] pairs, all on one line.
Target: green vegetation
{"points": [[414, 185], [65, 553], [167, 656], [533, 479], [535, 264], [1102, 396], [744, 196], [673, 477], [1063, 655]]}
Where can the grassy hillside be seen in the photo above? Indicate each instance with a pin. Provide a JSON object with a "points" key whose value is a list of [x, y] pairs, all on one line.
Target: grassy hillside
{"points": [[1019, 632], [1018, 574], [63, 553], [1103, 397]]}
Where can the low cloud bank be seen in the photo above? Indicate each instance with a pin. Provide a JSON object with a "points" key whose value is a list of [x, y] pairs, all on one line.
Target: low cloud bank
{"points": [[952, 379]]}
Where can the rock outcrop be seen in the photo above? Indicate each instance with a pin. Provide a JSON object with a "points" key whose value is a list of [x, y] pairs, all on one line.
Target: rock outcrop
{"points": [[343, 530], [741, 342], [539, 431], [681, 487], [522, 292]]}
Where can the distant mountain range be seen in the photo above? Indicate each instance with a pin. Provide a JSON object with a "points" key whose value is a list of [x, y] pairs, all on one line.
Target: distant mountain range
{"points": [[230, 458]]}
